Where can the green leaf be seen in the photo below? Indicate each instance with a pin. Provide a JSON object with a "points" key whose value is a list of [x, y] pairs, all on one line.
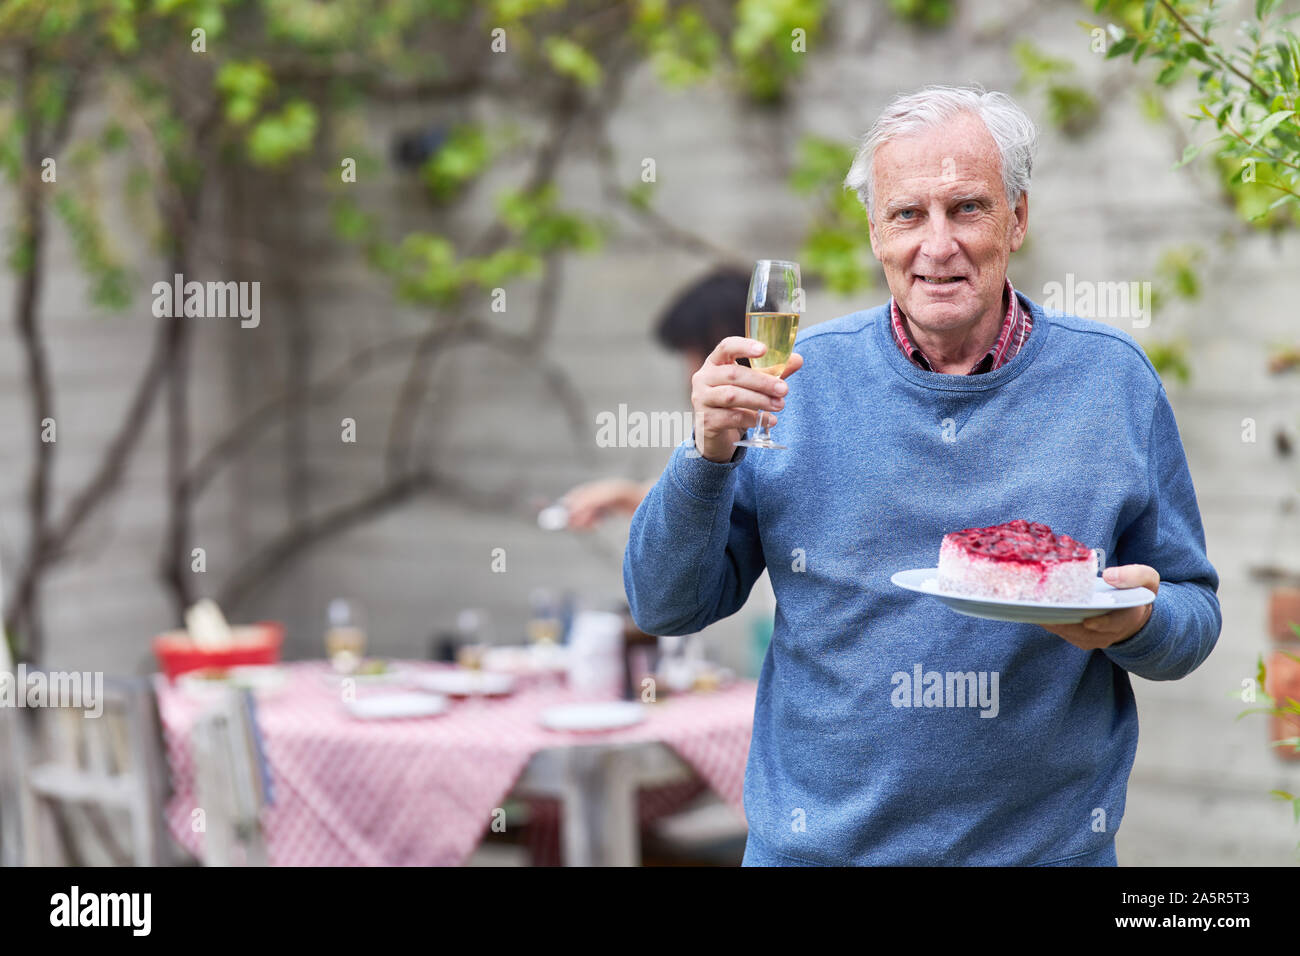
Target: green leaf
{"points": [[503, 265], [1172, 71], [821, 163], [1271, 122], [278, 137], [1072, 109], [113, 138], [838, 256], [1254, 710], [351, 224], [109, 282], [925, 13], [640, 194], [541, 227], [569, 59], [426, 269], [463, 156], [22, 252], [761, 41], [243, 86], [1190, 153], [683, 51], [1169, 359], [511, 10], [1122, 47]]}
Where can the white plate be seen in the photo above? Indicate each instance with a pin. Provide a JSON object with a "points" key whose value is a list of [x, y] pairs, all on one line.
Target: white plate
{"points": [[396, 706], [610, 715], [460, 683], [393, 675], [526, 659], [262, 679], [1104, 600]]}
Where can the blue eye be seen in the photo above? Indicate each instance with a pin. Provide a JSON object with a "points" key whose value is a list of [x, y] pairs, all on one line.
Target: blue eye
{"points": [[969, 206], [905, 213]]}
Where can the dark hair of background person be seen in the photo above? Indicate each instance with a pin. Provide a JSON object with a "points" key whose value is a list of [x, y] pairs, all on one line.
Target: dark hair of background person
{"points": [[706, 313]]}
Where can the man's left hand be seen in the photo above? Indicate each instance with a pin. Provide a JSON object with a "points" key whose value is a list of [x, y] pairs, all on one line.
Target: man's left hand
{"points": [[1106, 629]]}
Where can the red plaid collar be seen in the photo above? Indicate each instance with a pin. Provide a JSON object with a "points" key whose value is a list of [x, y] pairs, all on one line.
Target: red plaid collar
{"points": [[1016, 326]]}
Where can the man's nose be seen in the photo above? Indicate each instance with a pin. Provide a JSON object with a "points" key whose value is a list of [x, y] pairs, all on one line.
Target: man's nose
{"points": [[938, 242]]}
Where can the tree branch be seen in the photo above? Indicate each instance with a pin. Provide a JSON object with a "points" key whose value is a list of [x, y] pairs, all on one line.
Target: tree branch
{"points": [[173, 567], [255, 423], [1206, 42], [31, 234], [274, 557]]}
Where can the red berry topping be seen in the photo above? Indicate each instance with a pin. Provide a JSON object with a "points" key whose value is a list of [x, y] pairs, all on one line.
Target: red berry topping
{"points": [[1021, 540]]}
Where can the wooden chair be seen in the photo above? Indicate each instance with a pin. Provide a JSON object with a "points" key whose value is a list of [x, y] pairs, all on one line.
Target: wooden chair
{"points": [[78, 774], [231, 781], [11, 833]]}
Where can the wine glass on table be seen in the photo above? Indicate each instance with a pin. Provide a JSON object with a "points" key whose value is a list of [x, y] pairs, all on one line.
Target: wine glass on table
{"points": [[545, 628], [345, 636], [772, 317]]}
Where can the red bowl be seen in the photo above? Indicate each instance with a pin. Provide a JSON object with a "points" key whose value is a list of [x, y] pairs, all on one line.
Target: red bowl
{"points": [[253, 644]]}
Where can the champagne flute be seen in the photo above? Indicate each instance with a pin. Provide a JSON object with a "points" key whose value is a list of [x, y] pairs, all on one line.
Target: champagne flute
{"points": [[544, 623], [772, 317]]}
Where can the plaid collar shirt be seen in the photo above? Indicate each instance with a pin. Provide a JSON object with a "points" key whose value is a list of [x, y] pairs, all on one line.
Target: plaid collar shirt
{"points": [[1016, 326]]}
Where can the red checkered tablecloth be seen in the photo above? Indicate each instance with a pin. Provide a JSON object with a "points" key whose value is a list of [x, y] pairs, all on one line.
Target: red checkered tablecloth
{"points": [[351, 792]]}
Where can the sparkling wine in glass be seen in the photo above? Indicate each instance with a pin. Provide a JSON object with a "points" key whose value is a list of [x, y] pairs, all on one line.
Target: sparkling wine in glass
{"points": [[345, 636], [772, 317]]}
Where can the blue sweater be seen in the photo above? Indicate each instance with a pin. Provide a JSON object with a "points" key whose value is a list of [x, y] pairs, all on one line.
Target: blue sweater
{"points": [[862, 750]]}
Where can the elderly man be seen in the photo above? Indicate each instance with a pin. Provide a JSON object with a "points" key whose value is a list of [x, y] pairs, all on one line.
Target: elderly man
{"points": [[960, 403]]}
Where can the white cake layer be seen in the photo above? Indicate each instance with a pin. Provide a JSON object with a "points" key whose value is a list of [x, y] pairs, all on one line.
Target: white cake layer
{"points": [[1059, 582]]}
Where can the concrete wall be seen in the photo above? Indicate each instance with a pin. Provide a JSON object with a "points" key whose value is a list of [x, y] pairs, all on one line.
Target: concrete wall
{"points": [[1102, 208]]}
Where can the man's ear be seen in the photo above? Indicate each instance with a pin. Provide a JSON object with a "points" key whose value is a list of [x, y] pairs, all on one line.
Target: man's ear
{"points": [[1020, 222], [871, 236]]}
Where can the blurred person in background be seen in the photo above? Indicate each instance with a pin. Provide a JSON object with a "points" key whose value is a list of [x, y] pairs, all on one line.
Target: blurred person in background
{"points": [[702, 315], [698, 319]]}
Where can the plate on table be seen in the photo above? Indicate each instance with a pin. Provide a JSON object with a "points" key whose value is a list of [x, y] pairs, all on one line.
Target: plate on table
{"points": [[526, 659], [369, 672], [462, 683], [262, 679], [608, 715], [1104, 600], [397, 706]]}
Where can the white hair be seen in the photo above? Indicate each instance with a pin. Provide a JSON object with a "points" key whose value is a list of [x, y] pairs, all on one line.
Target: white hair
{"points": [[1010, 126]]}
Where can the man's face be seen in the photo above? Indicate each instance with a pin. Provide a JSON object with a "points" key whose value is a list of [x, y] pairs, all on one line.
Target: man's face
{"points": [[941, 225]]}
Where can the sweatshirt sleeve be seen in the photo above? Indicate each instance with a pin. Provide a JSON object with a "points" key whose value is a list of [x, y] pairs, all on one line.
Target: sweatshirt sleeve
{"points": [[693, 550], [1167, 535]]}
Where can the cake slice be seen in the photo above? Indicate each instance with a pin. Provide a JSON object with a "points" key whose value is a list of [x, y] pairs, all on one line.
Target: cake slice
{"points": [[1017, 561]]}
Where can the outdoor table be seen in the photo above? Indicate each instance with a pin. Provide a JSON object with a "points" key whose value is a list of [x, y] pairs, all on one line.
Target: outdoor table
{"points": [[424, 791]]}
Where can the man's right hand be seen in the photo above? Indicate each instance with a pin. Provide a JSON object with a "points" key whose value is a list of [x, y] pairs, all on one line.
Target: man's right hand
{"points": [[726, 397]]}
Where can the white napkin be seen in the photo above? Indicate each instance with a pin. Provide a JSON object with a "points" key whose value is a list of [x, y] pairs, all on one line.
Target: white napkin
{"points": [[207, 626]]}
